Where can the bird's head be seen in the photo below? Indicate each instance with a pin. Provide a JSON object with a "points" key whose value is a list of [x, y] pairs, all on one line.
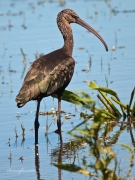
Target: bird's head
{"points": [[70, 16]]}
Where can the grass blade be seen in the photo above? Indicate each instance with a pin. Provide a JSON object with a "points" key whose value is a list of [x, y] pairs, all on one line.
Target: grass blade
{"points": [[105, 104], [115, 110], [131, 98]]}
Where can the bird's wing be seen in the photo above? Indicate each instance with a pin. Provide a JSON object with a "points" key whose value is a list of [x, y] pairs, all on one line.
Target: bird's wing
{"points": [[58, 78], [30, 87], [44, 79]]}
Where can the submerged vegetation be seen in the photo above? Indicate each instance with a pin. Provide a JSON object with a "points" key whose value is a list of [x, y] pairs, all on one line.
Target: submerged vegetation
{"points": [[96, 131]]}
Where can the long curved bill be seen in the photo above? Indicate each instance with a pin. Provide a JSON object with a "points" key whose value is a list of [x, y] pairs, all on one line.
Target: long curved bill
{"points": [[89, 28]]}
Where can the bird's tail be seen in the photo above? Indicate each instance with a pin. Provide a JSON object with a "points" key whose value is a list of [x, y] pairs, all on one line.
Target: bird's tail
{"points": [[29, 91], [20, 101]]}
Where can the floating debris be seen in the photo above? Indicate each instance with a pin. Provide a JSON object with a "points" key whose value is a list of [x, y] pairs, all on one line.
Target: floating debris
{"points": [[18, 115], [50, 113], [1, 14], [9, 24], [21, 158], [8, 142], [10, 157], [53, 111], [15, 132], [85, 70], [81, 48], [23, 129], [32, 129], [67, 117], [120, 47], [1, 93], [113, 48], [62, 2]]}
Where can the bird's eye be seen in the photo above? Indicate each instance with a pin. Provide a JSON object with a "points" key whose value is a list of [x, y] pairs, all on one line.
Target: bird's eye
{"points": [[74, 16]]}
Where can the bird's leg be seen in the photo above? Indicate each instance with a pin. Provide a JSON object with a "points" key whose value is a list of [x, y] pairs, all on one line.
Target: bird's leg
{"points": [[36, 124], [59, 111], [59, 116]]}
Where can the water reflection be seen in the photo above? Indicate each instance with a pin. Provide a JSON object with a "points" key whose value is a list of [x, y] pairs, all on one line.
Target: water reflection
{"points": [[132, 122], [132, 137], [10, 158], [68, 152], [59, 162], [99, 139], [37, 166], [56, 152]]}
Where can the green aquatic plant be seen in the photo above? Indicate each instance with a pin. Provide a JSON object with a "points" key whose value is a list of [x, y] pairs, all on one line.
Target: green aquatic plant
{"points": [[96, 132], [110, 110], [100, 161], [110, 105], [103, 156]]}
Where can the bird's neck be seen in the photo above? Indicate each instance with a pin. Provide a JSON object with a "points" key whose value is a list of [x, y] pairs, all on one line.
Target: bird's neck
{"points": [[66, 31]]}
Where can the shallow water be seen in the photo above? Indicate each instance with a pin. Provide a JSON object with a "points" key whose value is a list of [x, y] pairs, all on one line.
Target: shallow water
{"points": [[31, 25]]}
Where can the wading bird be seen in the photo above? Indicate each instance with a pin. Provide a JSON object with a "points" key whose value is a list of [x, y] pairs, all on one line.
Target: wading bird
{"points": [[51, 73]]}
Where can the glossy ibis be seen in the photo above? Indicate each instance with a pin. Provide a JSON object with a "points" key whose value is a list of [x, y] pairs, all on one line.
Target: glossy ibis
{"points": [[51, 73]]}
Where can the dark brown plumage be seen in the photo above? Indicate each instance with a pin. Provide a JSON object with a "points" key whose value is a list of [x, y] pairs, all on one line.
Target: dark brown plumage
{"points": [[51, 73]]}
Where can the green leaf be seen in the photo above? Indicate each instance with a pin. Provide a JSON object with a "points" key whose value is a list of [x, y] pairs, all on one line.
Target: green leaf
{"points": [[93, 85], [24, 55], [84, 96], [118, 102], [127, 147], [74, 168], [72, 98]]}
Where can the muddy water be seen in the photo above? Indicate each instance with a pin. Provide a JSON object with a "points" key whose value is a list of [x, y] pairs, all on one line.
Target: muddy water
{"points": [[31, 25]]}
